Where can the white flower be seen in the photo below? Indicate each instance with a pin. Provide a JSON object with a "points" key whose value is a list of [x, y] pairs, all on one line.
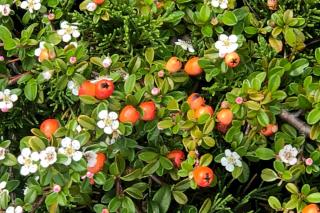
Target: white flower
{"points": [[2, 153], [231, 160], [3, 189], [68, 31], [28, 159], [46, 75], [73, 87], [31, 5], [91, 157], [70, 149], [91, 6], [6, 100], [223, 4], [106, 62], [226, 44], [48, 156], [12, 209], [78, 128], [186, 45], [109, 121], [5, 9], [288, 154], [41, 47]]}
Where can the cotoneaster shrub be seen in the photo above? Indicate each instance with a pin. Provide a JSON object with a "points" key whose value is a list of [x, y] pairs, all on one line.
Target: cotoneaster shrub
{"points": [[159, 106]]}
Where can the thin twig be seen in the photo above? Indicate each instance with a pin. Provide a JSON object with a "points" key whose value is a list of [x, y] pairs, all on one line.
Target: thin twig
{"points": [[247, 130], [300, 125], [249, 184], [13, 60], [37, 204], [13, 80], [157, 180]]}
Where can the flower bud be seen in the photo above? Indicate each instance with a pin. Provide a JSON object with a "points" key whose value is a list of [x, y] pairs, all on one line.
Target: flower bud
{"points": [[106, 62], [272, 4], [56, 188], [239, 100], [73, 60], [91, 6], [309, 161], [51, 16], [161, 74], [225, 105], [155, 91]]}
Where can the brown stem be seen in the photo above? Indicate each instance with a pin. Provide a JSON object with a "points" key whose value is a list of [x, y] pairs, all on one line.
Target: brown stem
{"points": [[13, 60], [119, 190], [157, 180], [13, 80], [247, 129], [292, 119], [37, 204]]}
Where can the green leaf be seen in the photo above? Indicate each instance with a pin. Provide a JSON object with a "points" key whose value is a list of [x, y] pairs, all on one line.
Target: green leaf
{"points": [[274, 203], [274, 83], [265, 153], [132, 176], [206, 206], [263, 118], [114, 204], [150, 168], [205, 13], [87, 122], [10, 160], [290, 36], [229, 18], [313, 116], [252, 105], [134, 192], [269, 175], [165, 163], [129, 84], [180, 197], [128, 204], [165, 124], [313, 198], [298, 66], [83, 138], [205, 159], [292, 188], [149, 55], [148, 156], [163, 198], [317, 55], [31, 90], [87, 99], [36, 143], [6, 37], [174, 17]]}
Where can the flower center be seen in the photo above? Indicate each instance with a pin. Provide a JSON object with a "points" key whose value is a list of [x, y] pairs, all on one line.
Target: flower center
{"points": [[108, 121], [27, 161], [69, 151]]}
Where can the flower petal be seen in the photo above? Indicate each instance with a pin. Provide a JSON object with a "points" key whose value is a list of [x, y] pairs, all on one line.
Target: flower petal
{"points": [[65, 142], [25, 152], [77, 156], [66, 37], [103, 114], [108, 130], [113, 115], [76, 144], [115, 125], [230, 168]]}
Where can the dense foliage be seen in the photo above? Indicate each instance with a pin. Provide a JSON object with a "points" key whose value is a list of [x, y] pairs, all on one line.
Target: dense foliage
{"points": [[159, 106]]}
